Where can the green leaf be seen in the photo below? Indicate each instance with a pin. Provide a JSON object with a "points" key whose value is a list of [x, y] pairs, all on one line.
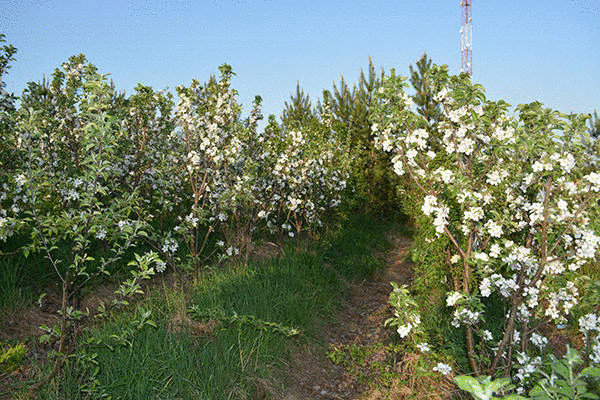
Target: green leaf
{"points": [[151, 323], [561, 369], [590, 396], [537, 390], [498, 384], [590, 372], [469, 384]]}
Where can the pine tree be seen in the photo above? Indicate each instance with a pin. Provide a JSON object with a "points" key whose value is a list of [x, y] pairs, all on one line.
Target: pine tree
{"points": [[341, 104], [423, 98], [7, 111], [351, 107], [363, 99], [299, 111], [369, 168]]}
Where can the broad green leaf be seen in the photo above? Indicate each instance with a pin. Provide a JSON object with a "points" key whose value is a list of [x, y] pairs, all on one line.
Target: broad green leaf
{"points": [[591, 372], [497, 384], [469, 384]]}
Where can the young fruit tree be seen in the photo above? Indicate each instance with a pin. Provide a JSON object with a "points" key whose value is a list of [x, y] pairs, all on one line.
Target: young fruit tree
{"points": [[512, 196]]}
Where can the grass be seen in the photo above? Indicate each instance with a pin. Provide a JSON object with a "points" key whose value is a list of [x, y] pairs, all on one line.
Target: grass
{"points": [[289, 290], [161, 365], [20, 279], [234, 358]]}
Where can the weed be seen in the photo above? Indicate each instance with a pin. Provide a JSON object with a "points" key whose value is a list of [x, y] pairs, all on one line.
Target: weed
{"points": [[11, 357], [373, 364]]}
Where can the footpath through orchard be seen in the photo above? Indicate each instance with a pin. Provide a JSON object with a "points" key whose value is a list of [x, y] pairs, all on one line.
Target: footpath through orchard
{"points": [[312, 375]]}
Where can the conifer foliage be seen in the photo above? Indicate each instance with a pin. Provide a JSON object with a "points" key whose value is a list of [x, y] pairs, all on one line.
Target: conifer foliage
{"points": [[423, 97], [299, 112], [351, 108]]}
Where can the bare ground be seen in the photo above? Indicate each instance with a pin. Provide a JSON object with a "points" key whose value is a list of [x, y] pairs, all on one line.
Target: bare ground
{"points": [[311, 375]]}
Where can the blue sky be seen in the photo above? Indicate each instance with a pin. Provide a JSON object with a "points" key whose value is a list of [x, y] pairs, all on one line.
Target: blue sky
{"points": [[545, 50]]}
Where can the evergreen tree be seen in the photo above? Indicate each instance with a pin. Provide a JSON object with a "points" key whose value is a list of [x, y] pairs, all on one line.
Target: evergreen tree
{"points": [[363, 100], [341, 104], [350, 108], [299, 111], [375, 187], [423, 98]]}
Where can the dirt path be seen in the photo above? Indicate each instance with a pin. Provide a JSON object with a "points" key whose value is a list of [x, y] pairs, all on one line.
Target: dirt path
{"points": [[312, 375]]}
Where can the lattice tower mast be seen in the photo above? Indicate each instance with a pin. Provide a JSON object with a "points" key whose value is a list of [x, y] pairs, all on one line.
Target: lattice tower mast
{"points": [[466, 36]]}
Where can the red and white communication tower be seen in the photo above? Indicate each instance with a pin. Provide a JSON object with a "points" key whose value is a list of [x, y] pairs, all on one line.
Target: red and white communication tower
{"points": [[466, 36]]}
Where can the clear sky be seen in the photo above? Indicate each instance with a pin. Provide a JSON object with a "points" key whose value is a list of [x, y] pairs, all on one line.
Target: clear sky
{"points": [[545, 50]]}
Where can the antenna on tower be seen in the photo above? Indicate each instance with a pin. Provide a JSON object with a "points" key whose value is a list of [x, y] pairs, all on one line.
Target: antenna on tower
{"points": [[466, 37]]}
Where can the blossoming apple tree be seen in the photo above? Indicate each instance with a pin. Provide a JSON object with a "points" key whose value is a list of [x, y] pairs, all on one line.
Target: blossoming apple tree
{"points": [[66, 194], [241, 180], [512, 195]]}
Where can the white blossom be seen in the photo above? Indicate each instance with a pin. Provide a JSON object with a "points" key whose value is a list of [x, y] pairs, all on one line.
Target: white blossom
{"points": [[485, 287], [445, 175], [495, 250], [423, 347], [495, 178], [398, 166], [595, 353], [538, 340], [161, 266], [193, 221], [567, 163], [442, 368], [453, 298], [441, 219], [170, 246], [594, 179], [429, 205], [473, 214], [441, 95], [589, 322], [494, 229], [404, 330]]}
